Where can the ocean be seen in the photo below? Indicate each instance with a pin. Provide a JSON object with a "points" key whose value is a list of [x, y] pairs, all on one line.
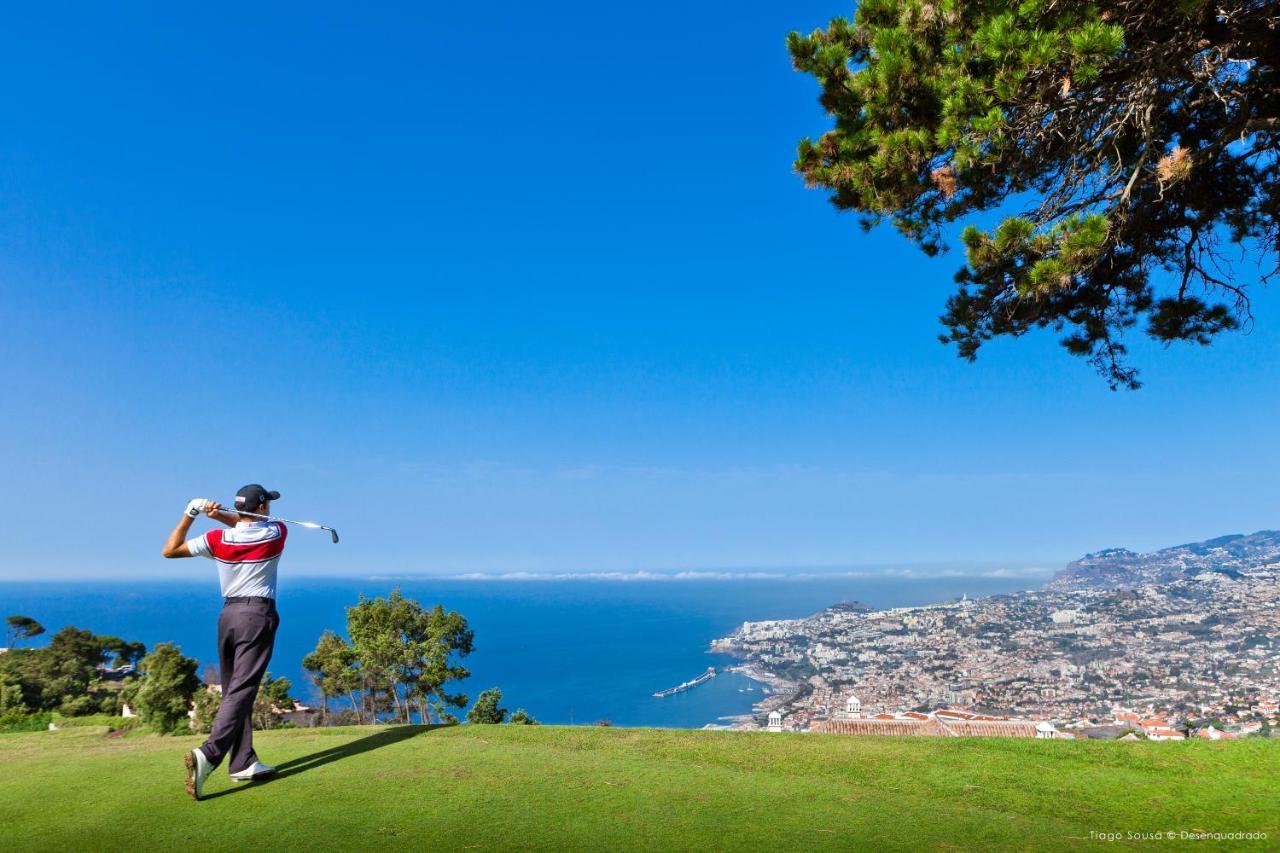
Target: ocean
{"points": [[568, 650]]}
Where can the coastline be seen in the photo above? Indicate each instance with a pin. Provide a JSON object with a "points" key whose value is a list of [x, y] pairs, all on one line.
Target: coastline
{"points": [[777, 691]]}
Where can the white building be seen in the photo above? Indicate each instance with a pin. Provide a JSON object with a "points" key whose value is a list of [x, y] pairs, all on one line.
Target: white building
{"points": [[853, 707], [775, 721], [1046, 731]]}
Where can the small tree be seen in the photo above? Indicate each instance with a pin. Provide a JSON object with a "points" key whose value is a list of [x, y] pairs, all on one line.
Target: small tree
{"points": [[376, 630], [486, 710], [21, 628], [165, 692], [521, 718], [332, 666], [273, 694], [207, 702]]}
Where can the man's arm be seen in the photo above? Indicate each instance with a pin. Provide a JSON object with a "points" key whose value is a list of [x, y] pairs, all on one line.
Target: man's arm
{"points": [[176, 545]]}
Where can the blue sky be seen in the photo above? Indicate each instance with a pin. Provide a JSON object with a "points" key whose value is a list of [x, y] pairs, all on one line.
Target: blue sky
{"points": [[530, 288]]}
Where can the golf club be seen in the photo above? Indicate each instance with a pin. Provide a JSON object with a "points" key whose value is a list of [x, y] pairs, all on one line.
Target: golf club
{"points": [[310, 524]]}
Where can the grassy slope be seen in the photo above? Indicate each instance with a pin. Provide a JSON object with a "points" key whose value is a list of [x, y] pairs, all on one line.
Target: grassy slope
{"points": [[503, 787]]}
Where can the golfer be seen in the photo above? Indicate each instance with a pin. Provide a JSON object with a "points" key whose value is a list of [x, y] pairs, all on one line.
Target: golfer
{"points": [[247, 556]]}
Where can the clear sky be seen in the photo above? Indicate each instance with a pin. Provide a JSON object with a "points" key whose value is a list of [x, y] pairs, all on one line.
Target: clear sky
{"points": [[524, 289]]}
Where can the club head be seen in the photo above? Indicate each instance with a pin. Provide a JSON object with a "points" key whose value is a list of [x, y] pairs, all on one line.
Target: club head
{"points": [[334, 534]]}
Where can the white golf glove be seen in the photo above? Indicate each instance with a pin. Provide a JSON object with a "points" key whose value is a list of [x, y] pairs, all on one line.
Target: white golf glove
{"points": [[197, 506]]}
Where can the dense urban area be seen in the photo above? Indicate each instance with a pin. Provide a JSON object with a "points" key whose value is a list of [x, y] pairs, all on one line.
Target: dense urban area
{"points": [[1166, 645]]}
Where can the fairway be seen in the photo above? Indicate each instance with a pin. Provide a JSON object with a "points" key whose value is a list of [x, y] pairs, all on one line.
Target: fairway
{"points": [[559, 788]]}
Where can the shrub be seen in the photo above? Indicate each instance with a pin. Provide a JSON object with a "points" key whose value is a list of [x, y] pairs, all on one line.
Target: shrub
{"points": [[77, 706], [165, 692], [18, 721], [486, 710], [521, 718], [208, 702], [272, 694]]}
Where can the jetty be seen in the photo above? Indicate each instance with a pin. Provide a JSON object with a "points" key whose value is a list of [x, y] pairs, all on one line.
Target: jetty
{"points": [[688, 685]]}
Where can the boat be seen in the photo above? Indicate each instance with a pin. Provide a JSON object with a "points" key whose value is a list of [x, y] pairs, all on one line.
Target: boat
{"points": [[688, 685]]}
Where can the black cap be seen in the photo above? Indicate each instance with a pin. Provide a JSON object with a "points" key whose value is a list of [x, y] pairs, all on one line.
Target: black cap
{"points": [[253, 496]]}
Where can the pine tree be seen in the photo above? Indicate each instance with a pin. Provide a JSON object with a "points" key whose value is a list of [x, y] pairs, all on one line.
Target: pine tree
{"points": [[1139, 135]]}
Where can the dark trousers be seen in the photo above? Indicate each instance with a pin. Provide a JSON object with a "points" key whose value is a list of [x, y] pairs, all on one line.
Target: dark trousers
{"points": [[246, 638]]}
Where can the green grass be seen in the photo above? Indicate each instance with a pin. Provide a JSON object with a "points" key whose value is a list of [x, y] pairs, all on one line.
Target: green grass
{"points": [[555, 788]]}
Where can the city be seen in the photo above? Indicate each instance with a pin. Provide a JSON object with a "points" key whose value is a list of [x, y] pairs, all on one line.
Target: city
{"points": [[1191, 645]]}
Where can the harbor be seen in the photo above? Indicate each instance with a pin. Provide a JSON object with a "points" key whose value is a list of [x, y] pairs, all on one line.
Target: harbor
{"points": [[706, 676]]}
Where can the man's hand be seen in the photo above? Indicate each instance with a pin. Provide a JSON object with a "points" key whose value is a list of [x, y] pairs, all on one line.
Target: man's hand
{"points": [[214, 510], [197, 506]]}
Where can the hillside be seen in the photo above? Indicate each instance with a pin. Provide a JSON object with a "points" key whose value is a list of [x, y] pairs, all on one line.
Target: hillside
{"points": [[1120, 567], [556, 788]]}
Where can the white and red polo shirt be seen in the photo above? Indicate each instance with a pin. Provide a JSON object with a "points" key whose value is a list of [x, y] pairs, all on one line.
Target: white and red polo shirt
{"points": [[247, 556]]}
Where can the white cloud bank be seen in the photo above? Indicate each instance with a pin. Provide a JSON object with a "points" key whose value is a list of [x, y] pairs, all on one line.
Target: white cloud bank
{"points": [[923, 573]]}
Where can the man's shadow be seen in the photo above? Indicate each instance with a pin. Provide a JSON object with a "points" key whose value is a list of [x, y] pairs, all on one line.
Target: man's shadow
{"points": [[303, 763]]}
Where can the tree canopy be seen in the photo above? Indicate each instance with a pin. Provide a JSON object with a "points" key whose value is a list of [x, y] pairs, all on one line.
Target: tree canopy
{"points": [[69, 674], [21, 628], [401, 659], [1137, 140], [332, 666], [164, 696], [273, 694]]}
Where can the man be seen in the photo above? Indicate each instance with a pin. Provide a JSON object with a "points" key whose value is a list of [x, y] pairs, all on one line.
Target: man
{"points": [[247, 556]]}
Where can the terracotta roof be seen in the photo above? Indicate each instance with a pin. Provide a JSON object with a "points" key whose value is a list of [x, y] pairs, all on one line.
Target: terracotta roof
{"points": [[991, 728], [958, 715], [880, 727], [1164, 732]]}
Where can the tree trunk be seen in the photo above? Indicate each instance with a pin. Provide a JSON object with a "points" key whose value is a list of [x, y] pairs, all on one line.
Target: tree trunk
{"points": [[355, 709], [395, 695]]}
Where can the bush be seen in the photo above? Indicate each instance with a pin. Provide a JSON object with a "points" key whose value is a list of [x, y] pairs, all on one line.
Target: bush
{"points": [[11, 699], [77, 706], [17, 721], [486, 710], [208, 702], [110, 721], [521, 718], [273, 693], [164, 694]]}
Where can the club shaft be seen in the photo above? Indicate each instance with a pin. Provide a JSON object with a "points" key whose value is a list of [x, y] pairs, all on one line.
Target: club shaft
{"points": [[333, 533], [275, 518]]}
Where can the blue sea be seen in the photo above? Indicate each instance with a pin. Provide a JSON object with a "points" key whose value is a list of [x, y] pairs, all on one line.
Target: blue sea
{"points": [[567, 650]]}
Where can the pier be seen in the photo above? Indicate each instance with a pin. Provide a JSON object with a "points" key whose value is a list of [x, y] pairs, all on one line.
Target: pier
{"points": [[688, 685]]}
